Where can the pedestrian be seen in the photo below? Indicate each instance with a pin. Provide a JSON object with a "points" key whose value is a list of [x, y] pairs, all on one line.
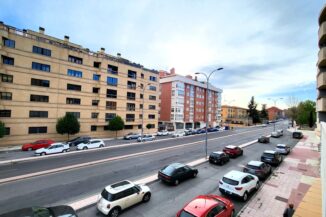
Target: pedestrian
{"points": [[288, 212]]}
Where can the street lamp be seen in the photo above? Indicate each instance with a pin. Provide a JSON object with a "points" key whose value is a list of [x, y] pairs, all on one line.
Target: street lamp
{"points": [[142, 111], [206, 110], [275, 100]]}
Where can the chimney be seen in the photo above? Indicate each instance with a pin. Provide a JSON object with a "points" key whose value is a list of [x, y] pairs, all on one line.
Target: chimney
{"points": [[102, 50], [41, 30], [119, 54], [172, 71], [66, 38]]}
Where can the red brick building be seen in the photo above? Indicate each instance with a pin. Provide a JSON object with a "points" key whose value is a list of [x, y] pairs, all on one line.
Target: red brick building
{"points": [[183, 102], [275, 113]]}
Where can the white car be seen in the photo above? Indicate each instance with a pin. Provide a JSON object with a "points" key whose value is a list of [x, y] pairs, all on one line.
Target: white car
{"points": [[146, 137], [178, 134], [92, 143], [276, 134], [238, 184], [119, 196], [53, 149], [162, 133], [283, 149]]}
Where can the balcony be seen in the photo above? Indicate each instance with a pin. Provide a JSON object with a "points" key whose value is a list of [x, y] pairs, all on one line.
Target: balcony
{"points": [[130, 119], [322, 57], [321, 105], [133, 87], [321, 79], [322, 34]]}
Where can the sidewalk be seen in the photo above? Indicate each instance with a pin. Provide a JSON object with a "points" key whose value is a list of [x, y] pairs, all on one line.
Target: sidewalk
{"points": [[297, 177]]}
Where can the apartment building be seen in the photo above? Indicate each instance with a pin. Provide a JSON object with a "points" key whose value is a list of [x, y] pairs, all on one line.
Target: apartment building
{"points": [[183, 102], [321, 67], [43, 78], [275, 113], [235, 116]]}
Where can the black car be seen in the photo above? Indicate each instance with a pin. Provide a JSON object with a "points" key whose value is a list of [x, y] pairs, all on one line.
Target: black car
{"points": [[78, 140], [263, 139], [176, 172], [258, 168], [271, 157], [297, 135], [55, 211], [218, 157], [212, 129]]}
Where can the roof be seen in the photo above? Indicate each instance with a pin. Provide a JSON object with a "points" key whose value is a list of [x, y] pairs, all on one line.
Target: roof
{"points": [[201, 204], [119, 186], [235, 175], [270, 152], [255, 163], [231, 146]]}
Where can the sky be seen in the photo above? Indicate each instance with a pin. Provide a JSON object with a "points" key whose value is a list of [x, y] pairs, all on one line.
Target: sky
{"points": [[268, 49]]}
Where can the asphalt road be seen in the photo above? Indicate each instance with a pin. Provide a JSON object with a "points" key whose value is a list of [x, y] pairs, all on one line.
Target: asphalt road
{"points": [[70, 185]]}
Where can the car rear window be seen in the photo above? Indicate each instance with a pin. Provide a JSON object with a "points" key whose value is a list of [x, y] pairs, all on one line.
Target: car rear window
{"points": [[230, 181], [107, 196], [269, 155], [252, 167], [186, 214], [168, 170], [281, 147]]}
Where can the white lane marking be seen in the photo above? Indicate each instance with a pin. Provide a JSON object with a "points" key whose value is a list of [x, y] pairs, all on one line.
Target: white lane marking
{"points": [[111, 147]]}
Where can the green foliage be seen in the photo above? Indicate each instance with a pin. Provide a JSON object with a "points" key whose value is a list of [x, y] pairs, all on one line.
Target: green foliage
{"points": [[2, 129], [253, 113], [116, 124], [306, 113], [148, 126], [264, 113], [68, 125]]}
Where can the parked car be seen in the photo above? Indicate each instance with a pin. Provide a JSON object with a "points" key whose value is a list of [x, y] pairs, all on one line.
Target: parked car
{"points": [[283, 149], [162, 133], [119, 196], [240, 184], [233, 151], [212, 129], [54, 211], [271, 157], [264, 125], [37, 144], [92, 143], [146, 137], [78, 140], [218, 157], [276, 134], [258, 168], [280, 131], [264, 139], [178, 134], [53, 149], [297, 135], [131, 136], [200, 131], [188, 132], [176, 172], [208, 206]]}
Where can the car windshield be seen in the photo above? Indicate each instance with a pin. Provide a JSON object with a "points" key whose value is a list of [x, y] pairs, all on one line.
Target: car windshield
{"points": [[230, 181], [186, 214], [269, 155], [252, 167], [107, 196], [41, 212], [168, 170], [281, 147], [215, 155], [74, 139]]}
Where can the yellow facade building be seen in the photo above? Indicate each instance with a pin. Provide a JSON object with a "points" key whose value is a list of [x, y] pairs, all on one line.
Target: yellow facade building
{"points": [[42, 78], [235, 116]]}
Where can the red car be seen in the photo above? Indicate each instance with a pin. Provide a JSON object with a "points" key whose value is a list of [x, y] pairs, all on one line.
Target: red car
{"points": [[208, 206], [37, 144], [233, 151]]}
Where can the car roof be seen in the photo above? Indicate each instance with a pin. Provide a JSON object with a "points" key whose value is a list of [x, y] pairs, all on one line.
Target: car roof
{"points": [[255, 163], [58, 143], [281, 145], [231, 146], [235, 175], [95, 140], [176, 165], [119, 186], [270, 152], [218, 152], [201, 204]]}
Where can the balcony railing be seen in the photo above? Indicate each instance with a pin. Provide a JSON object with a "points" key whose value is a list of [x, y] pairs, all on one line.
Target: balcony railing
{"points": [[131, 98], [132, 87], [111, 96], [111, 107], [130, 119], [131, 109], [112, 71]]}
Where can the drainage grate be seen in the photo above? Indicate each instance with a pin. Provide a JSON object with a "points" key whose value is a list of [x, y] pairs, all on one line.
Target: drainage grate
{"points": [[281, 199]]}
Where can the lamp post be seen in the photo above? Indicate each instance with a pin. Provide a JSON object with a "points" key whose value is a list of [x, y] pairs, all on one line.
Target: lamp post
{"points": [[206, 110], [142, 111], [275, 100]]}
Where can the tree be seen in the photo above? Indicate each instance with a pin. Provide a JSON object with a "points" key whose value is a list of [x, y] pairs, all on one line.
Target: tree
{"points": [[2, 129], [264, 112], [292, 112], [306, 114], [68, 124], [253, 113], [116, 124]]}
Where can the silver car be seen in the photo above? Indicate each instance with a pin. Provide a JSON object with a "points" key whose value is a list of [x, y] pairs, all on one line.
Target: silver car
{"points": [[283, 149]]}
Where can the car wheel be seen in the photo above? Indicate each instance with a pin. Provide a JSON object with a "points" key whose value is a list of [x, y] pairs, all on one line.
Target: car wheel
{"points": [[176, 182], [114, 212], [29, 149], [68, 149], [43, 153], [85, 148], [194, 175], [232, 213], [146, 197], [64, 150], [257, 185], [245, 197], [241, 153], [101, 146]]}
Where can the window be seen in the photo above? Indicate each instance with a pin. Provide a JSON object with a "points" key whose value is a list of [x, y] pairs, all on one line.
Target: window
{"points": [[152, 126], [94, 115], [152, 107], [38, 114], [39, 98], [142, 75], [109, 116], [39, 82], [6, 78], [131, 85], [141, 96], [152, 88], [129, 127], [151, 116], [112, 81], [139, 126], [96, 77], [74, 73], [112, 69], [42, 51], [132, 74], [41, 67], [7, 131], [152, 97], [76, 114], [140, 116], [111, 105], [36, 130], [131, 96], [74, 59], [74, 87], [96, 89], [141, 106], [5, 95], [95, 102], [131, 107], [97, 65], [8, 60], [74, 101], [5, 113], [8, 43], [111, 93], [93, 128], [152, 78], [130, 117]]}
